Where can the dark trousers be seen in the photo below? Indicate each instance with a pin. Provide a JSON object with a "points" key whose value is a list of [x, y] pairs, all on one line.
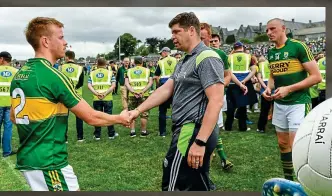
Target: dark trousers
{"points": [[162, 115], [177, 175], [79, 128], [236, 100], [265, 108], [107, 107]]}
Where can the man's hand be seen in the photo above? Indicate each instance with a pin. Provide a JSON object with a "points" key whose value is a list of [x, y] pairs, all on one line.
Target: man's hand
{"points": [[244, 88], [195, 156], [101, 96], [267, 94], [137, 95], [281, 92], [243, 82], [124, 119], [133, 114]]}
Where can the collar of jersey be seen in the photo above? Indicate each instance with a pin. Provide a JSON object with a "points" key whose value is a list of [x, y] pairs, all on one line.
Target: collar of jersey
{"points": [[283, 44], [41, 60], [196, 49]]}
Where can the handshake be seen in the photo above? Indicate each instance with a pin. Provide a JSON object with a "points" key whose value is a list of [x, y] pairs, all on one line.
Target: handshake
{"points": [[127, 117]]}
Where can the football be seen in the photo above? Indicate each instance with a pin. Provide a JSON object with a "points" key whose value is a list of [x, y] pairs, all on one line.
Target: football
{"points": [[312, 150]]}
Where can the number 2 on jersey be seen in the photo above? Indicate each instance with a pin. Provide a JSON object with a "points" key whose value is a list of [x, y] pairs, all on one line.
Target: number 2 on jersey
{"points": [[19, 108]]}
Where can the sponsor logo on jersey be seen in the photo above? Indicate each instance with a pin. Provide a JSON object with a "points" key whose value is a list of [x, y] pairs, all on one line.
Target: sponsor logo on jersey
{"points": [[6, 74], [277, 56], [279, 67], [286, 55]]}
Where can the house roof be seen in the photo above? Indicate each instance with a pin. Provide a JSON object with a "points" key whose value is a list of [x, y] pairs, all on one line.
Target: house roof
{"points": [[308, 31]]}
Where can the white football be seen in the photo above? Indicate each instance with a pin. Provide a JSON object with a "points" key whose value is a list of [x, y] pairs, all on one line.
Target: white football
{"points": [[312, 150]]}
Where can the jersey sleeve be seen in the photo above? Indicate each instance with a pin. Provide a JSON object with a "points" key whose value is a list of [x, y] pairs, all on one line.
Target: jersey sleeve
{"points": [[209, 72], [63, 90], [304, 53]]}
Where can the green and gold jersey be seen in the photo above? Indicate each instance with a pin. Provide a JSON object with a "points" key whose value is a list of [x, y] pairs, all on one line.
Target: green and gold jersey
{"points": [[223, 57], [287, 69], [41, 96]]}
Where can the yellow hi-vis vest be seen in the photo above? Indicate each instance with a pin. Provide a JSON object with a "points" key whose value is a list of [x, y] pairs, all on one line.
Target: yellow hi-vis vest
{"points": [[322, 69], [101, 81], [265, 70], [74, 72], [138, 79], [167, 66], [7, 74], [239, 62]]}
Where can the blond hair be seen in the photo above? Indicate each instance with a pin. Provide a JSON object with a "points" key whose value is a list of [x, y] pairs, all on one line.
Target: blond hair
{"points": [[39, 27]]}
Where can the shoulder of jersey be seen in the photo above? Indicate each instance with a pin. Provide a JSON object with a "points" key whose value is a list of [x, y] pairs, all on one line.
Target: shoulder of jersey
{"points": [[298, 42]]}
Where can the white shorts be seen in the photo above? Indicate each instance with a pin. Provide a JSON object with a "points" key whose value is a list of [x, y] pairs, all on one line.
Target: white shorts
{"points": [[56, 180], [289, 117], [224, 106], [223, 109]]}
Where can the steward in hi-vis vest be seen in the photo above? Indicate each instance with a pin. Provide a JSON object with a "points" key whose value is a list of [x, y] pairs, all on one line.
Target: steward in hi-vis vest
{"points": [[76, 74], [138, 81], [102, 83], [7, 74], [165, 69]]}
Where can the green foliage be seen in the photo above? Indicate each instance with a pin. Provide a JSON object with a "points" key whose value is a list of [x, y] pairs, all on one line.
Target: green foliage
{"points": [[261, 38], [230, 39]]}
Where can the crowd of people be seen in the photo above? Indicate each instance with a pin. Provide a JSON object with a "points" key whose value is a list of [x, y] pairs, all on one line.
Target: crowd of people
{"points": [[199, 85]]}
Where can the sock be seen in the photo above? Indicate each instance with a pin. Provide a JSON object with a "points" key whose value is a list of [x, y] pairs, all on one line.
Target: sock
{"points": [[220, 150], [132, 131], [287, 165], [143, 131]]}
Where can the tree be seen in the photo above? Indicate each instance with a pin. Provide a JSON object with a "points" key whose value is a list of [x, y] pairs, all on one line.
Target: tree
{"points": [[230, 39], [170, 44], [153, 43], [245, 41], [261, 38], [111, 56], [128, 45], [81, 59], [142, 51]]}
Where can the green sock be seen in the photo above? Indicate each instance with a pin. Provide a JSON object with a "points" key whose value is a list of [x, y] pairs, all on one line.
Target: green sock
{"points": [[220, 150], [287, 165]]}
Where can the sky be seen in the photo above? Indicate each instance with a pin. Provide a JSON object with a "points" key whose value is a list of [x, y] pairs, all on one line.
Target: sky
{"points": [[95, 30]]}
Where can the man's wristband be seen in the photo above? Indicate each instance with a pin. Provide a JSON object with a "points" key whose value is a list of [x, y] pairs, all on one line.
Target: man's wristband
{"points": [[200, 142]]}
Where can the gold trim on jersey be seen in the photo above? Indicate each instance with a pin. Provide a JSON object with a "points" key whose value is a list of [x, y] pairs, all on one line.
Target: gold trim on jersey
{"points": [[38, 109], [66, 82], [285, 67], [307, 50]]}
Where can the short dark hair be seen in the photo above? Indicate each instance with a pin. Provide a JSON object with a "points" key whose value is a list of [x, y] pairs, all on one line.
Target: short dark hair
{"points": [[216, 35], [101, 62], [70, 54], [138, 60], [186, 20]]}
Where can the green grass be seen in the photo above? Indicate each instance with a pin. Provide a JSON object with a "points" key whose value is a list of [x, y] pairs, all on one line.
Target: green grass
{"points": [[135, 164]]}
